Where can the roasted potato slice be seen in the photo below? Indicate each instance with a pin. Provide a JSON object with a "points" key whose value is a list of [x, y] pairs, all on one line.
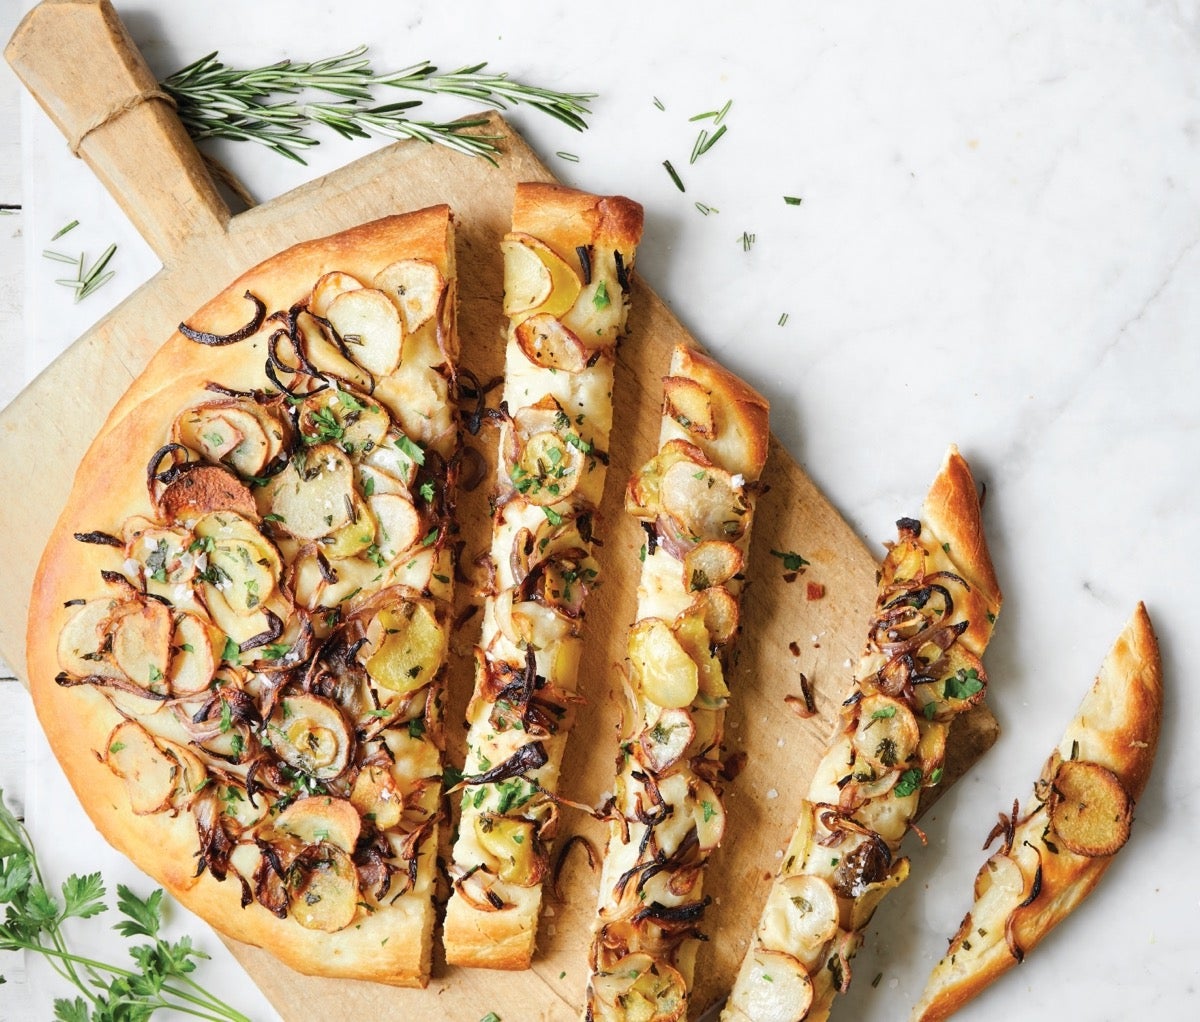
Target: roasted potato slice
{"points": [[536, 279], [370, 327], [662, 668], [141, 644], [327, 288], [637, 988], [415, 286], [321, 818], [408, 646], [322, 884], [309, 733], [772, 987], [149, 774], [1090, 810], [313, 496]]}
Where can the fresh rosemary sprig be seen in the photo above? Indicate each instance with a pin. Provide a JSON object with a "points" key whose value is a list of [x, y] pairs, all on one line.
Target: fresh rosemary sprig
{"points": [[34, 920], [218, 101]]}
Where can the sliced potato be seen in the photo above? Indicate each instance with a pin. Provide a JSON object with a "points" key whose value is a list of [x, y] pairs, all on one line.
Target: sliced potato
{"points": [[245, 577], [141, 644], [323, 887], [690, 405], [327, 288], [801, 915], [887, 733], [191, 776], [662, 743], [353, 538], [323, 353], [321, 818], [376, 794], [1090, 810], [149, 774], [226, 431], [313, 496], [698, 644], [510, 842], [355, 422], [638, 989], [195, 659], [662, 669], [408, 646], [712, 563], [703, 500], [546, 468], [398, 523], [309, 733], [370, 327], [204, 488], [719, 610], [84, 637], [771, 987], [415, 286], [551, 288], [550, 345]]}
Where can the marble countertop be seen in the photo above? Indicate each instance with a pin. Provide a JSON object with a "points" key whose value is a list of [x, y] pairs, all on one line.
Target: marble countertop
{"points": [[998, 245]]}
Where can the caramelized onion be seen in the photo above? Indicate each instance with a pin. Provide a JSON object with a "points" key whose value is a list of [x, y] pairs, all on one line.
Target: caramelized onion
{"points": [[240, 334]]}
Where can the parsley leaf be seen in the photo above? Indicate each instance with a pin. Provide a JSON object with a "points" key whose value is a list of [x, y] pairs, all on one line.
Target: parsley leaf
{"points": [[963, 684], [792, 561]]}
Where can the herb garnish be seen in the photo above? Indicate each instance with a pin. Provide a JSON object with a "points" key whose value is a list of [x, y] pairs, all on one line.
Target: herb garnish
{"points": [[792, 561], [215, 100], [34, 922]]}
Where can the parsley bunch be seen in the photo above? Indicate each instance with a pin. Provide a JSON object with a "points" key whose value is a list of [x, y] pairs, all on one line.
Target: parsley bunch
{"points": [[34, 920]]}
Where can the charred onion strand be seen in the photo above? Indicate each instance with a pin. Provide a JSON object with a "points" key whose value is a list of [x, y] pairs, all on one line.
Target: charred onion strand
{"points": [[527, 757], [240, 334]]}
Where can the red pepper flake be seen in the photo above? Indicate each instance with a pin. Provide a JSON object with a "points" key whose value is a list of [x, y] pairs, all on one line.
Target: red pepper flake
{"points": [[815, 590], [794, 648]]}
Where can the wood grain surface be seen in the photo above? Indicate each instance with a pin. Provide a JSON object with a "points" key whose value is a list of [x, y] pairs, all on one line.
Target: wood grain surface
{"points": [[45, 433]]}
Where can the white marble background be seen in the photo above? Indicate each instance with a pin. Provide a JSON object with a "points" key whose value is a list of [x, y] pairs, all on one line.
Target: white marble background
{"points": [[997, 246]]}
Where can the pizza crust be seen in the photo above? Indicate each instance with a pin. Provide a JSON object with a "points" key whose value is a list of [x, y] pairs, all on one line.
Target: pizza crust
{"points": [[391, 946], [1116, 727]]}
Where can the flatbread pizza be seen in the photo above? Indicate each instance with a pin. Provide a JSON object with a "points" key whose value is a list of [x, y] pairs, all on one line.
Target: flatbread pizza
{"points": [[238, 628]]}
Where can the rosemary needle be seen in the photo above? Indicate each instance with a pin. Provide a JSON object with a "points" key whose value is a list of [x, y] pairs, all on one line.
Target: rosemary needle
{"points": [[674, 176], [65, 229]]}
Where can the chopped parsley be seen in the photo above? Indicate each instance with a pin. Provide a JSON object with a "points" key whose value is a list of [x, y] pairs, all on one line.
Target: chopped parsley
{"points": [[792, 561], [963, 684], [909, 782]]}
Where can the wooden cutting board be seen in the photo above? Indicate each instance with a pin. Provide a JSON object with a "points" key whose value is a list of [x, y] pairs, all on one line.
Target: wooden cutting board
{"points": [[78, 61]]}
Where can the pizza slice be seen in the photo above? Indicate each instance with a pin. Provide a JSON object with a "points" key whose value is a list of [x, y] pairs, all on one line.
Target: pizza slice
{"points": [[238, 628], [695, 499], [937, 602], [1053, 855], [567, 263]]}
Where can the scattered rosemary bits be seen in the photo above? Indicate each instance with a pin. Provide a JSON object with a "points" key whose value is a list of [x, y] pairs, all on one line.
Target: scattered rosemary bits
{"points": [[569, 157], [746, 241], [674, 176], [706, 209], [783, 318], [659, 103], [88, 279], [792, 200]]}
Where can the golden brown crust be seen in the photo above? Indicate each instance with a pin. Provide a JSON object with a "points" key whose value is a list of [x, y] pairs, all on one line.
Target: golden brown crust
{"points": [[742, 430], [1117, 727], [952, 512], [388, 946], [559, 216]]}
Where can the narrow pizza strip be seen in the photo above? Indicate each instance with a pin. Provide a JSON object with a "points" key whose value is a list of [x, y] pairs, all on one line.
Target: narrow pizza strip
{"points": [[695, 499], [1053, 855], [567, 263], [267, 644], [936, 604]]}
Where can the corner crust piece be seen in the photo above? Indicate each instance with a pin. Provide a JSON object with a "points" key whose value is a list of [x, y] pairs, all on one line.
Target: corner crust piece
{"points": [[953, 514], [1117, 727]]}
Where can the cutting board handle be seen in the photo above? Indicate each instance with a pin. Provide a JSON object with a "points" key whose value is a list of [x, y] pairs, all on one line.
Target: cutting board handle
{"points": [[80, 64]]}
